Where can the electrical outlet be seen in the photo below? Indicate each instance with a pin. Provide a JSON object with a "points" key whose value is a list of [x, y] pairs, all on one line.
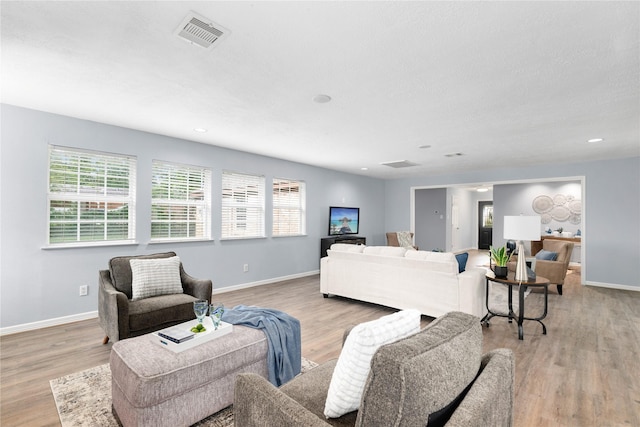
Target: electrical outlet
{"points": [[84, 290], [245, 268]]}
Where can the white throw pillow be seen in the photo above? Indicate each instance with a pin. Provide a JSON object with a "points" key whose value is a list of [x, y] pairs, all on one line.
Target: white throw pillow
{"points": [[404, 239], [157, 276], [353, 366]]}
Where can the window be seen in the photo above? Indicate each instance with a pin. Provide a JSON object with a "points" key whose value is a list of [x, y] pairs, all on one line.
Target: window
{"points": [[289, 203], [91, 197], [180, 202], [242, 205], [487, 216]]}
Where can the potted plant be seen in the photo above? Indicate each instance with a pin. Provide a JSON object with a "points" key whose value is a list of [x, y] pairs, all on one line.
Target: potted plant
{"points": [[500, 257]]}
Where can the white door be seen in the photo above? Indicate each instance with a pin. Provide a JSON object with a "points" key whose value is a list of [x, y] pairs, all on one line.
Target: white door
{"points": [[455, 224]]}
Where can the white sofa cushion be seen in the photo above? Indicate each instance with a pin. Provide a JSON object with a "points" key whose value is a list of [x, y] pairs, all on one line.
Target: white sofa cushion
{"points": [[346, 247], [385, 251], [153, 277], [353, 366], [431, 256]]}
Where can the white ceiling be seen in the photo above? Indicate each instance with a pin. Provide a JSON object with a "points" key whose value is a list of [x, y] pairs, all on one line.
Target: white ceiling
{"points": [[504, 83]]}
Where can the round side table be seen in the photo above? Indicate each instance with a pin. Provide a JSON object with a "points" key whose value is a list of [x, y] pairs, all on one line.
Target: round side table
{"points": [[522, 287]]}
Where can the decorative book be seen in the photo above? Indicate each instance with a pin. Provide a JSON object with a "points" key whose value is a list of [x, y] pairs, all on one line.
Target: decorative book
{"points": [[177, 334]]}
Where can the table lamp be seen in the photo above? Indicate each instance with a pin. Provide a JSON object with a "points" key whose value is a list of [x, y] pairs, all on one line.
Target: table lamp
{"points": [[521, 228]]}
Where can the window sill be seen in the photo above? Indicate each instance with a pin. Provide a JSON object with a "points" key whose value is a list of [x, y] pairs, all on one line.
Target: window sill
{"points": [[163, 241], [242, 238], [90, 244]]}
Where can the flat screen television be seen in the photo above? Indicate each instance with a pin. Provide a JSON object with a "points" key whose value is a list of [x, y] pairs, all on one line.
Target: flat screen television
{"points": [[343, 220]]}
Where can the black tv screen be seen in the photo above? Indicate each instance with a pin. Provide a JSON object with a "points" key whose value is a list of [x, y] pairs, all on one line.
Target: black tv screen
{"points": [[343, 220]]}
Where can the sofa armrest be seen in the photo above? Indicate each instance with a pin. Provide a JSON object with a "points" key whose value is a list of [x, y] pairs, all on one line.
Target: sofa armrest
{"points": [[198, 288], [490, 400], [258, 403], [113, 308], [324, 275], [472, 290]]}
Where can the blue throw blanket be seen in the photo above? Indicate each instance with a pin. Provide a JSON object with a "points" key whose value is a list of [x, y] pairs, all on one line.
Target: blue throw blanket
{"points": [[283, 336]]}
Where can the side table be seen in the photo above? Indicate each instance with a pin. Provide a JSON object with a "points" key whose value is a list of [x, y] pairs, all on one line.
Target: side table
{"points": [[522, 287]]}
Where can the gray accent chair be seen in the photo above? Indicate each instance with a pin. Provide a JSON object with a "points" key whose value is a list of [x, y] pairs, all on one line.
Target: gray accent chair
{"points": [[437, 377], [121, 318]]}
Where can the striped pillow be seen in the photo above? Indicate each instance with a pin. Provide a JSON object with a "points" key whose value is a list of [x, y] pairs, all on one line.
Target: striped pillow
{"points": [[353, 366], [153, 277]]}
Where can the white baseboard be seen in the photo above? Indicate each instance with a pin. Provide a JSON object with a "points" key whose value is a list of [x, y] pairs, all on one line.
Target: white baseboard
{"points": [[613, 286], [263, 282], [94, 314], [47, 323]]}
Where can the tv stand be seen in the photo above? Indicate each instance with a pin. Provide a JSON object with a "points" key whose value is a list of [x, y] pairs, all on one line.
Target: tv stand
{"points": [[326, 242]]}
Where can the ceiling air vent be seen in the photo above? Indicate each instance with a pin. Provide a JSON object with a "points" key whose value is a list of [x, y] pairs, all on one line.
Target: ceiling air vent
{"points": [[201, 31], [399, 164]]}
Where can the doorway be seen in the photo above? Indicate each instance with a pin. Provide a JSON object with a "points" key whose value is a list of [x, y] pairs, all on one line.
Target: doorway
{"points": [[485, 224]]}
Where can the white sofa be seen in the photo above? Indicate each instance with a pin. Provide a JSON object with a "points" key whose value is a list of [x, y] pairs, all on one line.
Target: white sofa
{"points": [[403, 279]]}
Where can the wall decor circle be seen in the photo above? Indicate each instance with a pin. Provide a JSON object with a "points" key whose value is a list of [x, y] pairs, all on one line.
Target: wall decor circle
{"points": [[560, 213], [545, 218], [559, 199], [575, 206], [575, 218], [542, 204]]}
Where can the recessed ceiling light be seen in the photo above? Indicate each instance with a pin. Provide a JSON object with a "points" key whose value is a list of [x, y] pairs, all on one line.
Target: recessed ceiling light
{"points": [[595, 140], [482, 190], [199, 130], [364, 169], [321, 99], [424, 146]]}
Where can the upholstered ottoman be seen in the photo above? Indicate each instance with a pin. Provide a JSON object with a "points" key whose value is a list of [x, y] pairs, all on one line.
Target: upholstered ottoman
{"points": [[153, 386]]}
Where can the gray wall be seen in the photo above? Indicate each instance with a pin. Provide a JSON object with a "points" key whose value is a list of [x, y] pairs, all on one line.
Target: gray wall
{"points": [[431, 220], [37, 284], [611, 210], [517, 199]]}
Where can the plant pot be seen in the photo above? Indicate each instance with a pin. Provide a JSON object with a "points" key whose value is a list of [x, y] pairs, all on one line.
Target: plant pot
{"points": [[500, 272]]}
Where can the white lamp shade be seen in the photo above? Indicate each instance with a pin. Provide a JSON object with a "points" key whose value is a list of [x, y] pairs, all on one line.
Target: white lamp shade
{"points": [[522, 227]]}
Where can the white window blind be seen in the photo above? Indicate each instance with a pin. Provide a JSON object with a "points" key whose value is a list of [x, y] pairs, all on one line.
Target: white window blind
{"points": [[91, 196], [289, 207], [180, 202], [242, 205]]}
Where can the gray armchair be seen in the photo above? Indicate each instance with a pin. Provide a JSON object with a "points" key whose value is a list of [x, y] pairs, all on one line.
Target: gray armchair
{"points": [[437, 376], [121, 317]]}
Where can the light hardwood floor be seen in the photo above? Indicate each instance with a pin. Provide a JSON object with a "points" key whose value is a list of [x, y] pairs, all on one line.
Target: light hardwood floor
{"points": [[585, 372]]}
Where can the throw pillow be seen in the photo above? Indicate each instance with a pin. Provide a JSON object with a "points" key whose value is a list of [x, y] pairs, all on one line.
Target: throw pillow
{"points": [[404, 239], [352, 368], [462, 261], [547, 255], [153, 277]]}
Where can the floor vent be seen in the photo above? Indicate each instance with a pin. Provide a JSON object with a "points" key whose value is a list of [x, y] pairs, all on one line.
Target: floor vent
{"points": [[203, 32]]}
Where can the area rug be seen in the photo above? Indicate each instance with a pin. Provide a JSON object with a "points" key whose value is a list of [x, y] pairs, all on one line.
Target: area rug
{"points": [[499, 298], [84, 399]]}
